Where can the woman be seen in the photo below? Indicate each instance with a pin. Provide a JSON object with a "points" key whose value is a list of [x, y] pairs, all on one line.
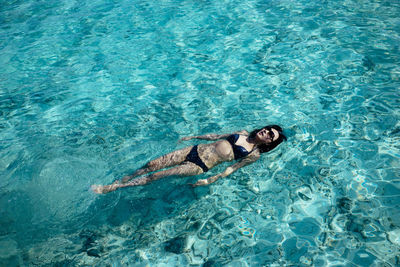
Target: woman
{"points": [[198, 159]]}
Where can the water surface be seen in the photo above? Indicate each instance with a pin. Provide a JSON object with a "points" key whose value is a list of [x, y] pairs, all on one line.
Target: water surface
{"points": [[90, 91]]}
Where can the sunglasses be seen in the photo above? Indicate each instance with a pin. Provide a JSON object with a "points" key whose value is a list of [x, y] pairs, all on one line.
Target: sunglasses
{"points": [[270, 133]]}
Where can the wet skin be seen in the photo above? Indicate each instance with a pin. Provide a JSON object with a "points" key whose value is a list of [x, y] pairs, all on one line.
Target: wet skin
{"points": [[211, 154]]}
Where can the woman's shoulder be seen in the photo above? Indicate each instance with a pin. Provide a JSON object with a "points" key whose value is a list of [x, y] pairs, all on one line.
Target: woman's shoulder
{"points": [[242, 132], [255, 154]]}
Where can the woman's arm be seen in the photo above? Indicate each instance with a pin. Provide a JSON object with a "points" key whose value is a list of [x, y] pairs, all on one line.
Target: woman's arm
{"points": [[211, 136], [252, 157]]}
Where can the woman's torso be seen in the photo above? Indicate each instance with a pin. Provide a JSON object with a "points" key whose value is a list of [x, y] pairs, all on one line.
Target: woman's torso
{"points": [[221, 151]]}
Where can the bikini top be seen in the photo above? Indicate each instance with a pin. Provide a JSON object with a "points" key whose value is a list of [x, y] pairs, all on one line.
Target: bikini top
{"points": [[238, 151]]}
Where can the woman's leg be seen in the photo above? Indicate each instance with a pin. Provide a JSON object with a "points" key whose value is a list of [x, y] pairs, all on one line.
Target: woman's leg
{"points": [[187, 169], [168, 160]]}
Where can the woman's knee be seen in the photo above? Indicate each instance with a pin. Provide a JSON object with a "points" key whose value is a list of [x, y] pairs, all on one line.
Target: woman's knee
{"points": [[151, 166]]}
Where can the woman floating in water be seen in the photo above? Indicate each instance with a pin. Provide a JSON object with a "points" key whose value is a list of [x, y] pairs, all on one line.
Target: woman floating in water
{"points": [[198, 159]]}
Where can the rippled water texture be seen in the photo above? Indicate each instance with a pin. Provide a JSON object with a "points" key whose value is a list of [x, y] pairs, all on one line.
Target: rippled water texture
{"points": [[92, 90]]}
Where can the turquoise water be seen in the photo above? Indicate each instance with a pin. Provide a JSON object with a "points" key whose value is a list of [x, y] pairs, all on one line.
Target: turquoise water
{"points": [[92, 90]]}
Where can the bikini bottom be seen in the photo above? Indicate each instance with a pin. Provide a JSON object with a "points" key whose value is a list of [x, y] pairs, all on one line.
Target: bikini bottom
{"points": [[193, 157]]}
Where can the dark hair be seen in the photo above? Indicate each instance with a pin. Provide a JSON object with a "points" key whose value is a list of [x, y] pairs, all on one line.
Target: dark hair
{"points": [[268, 147]]}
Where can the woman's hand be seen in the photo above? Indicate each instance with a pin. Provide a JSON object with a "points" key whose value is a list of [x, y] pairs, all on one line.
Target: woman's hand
{"points": [[186, 138], [207, 181], [201, 182]]}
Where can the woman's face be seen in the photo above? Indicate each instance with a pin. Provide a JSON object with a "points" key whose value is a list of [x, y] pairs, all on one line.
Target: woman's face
{"points": [[267, 135]]}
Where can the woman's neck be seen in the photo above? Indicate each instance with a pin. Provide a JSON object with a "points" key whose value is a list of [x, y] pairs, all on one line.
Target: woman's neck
{"points": [[252, 141]]}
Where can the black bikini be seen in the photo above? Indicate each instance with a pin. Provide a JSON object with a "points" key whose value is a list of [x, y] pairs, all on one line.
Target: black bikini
{"points": [[238, 151], [193, 157]]}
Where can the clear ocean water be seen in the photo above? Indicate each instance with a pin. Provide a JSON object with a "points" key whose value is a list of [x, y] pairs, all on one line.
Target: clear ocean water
{"points": [[92, 90]]}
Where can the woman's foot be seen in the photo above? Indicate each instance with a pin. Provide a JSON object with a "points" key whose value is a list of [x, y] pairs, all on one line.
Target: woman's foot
{"points": [[100, 189]]}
